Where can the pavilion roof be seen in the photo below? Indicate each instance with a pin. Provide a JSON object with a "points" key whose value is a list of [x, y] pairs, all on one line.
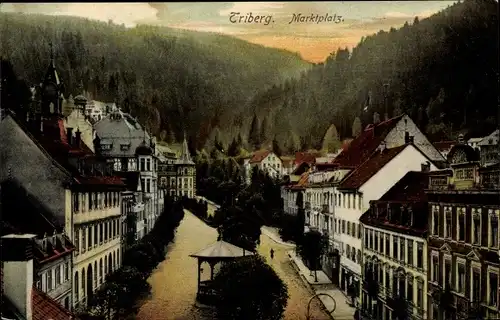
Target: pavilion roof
{"points": [[222, 249]]}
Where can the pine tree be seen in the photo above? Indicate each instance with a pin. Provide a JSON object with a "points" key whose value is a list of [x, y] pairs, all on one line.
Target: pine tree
{"points": [[356, 127], [233, 149], [254, 135], [276, 147], [264, 131], [331, 142]]}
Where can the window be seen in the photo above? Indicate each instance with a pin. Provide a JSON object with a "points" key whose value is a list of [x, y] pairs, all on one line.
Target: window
{"points": [[100, 233], [435, 220], [387, 278], [349, 228], [409, 294], [447, 272], [375, 247], [448, 224], [387, 245], [460, 276], [76, 202], [58, 275], [461, 224], [95, 235], [493, 228], [476, 284], [435, 267], [420, 293], [66, 271], [476, 226], [84, 238], [77, 241], [395, 242], [148, 164], [402, 256], [420, 255], [49, 280], [90, 237], [493, 288], [410, 252]]}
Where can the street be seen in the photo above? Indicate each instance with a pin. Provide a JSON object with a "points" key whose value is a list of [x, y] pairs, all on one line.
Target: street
{"points": [[174, 281]]}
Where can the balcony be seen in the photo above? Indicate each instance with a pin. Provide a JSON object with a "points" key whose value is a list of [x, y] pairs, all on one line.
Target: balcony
{"points": [[96, 214]]}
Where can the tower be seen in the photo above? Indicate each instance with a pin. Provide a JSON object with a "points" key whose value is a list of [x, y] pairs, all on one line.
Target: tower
{"points": [[51, 89]]}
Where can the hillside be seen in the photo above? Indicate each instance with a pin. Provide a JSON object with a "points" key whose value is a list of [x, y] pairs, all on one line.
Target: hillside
{"points": [[442, 71], [169, 78]]}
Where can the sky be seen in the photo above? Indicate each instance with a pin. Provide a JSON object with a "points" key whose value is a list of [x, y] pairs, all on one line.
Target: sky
{"points": [[312, 40]]}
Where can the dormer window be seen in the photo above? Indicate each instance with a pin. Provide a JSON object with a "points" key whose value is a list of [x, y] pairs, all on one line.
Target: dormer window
{"points": [[106, 146], [124, 147]]}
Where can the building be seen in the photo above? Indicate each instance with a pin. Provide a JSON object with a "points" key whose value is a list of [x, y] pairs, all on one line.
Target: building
{"points": [[63, 174], [369, 181], [186, 173], [77, 120], [444, 147], [264, 160], [463, 237], [126, 144], [489, 149], [132, 207], [395, 248], [319, 215], [21, 299], [288, 165], [52, 249]]}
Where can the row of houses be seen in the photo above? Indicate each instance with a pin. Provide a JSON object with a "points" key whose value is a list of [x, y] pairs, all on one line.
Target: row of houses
{"points": [[415, 220], [68, 187]]}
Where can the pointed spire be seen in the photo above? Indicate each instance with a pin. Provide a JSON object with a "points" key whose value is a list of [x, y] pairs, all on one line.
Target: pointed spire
{"points": [[185, 157]]}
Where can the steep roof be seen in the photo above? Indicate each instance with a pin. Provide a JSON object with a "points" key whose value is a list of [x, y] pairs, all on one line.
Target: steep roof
{"points": [[365, 144], [370, 167], [303, 181], [185, 156], [45, 308], [260, 155], [410, 188]]}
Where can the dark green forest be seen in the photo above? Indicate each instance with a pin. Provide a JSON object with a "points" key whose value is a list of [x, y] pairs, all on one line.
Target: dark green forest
{"points": [[442, 71], [170, 79]]}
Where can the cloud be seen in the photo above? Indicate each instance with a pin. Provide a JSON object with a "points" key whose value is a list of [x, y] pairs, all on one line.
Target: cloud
{"points": [[400, 15], [253, 7]]}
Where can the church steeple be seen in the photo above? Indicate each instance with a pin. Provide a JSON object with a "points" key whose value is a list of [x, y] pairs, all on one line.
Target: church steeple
{"points": [[185, 157], [52, 89]]}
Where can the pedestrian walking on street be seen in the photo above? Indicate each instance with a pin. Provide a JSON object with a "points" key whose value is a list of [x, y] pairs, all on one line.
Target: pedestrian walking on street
{"points": [[272, 253]]}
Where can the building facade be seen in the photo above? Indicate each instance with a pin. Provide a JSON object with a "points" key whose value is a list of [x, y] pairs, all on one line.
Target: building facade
{"points": [[463, 238], [395, 250]]}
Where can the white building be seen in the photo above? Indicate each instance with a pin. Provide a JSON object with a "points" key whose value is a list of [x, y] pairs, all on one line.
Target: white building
{"points": [[266, 161], [367, 182]]}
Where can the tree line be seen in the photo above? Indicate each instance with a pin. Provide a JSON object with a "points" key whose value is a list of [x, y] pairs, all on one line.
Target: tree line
{"points": [[172, 80]]}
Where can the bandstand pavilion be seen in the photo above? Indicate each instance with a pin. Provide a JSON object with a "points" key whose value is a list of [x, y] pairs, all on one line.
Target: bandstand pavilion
{"points": [[218, 252]]}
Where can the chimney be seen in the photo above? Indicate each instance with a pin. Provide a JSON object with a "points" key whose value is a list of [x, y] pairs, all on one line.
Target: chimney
{"points": [[69, 134], [78, 138], [407, 137], [17, 257], [426, 166]]}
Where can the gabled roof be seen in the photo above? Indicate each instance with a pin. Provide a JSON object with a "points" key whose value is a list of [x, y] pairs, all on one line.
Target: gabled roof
{"points": [[491, 139], [45, 308], [370, 167], [365, 144], [260, 155], [410, 188], [222, 249], [444, 145], [301, 168], [307, 157], [303, 181]]}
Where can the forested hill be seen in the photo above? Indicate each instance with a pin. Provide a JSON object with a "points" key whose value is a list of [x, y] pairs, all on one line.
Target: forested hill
{"points": [[442, 71], [200, 80]]}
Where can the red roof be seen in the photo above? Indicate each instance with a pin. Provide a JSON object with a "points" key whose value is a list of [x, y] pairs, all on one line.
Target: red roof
{"points": [[365, 144], [45, 308], [370, 167], [444, 145], [307, 157], [260, 155], [302, 183]]}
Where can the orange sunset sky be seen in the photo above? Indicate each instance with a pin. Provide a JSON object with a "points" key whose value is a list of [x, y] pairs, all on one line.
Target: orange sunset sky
{"points": [[314, 41]]}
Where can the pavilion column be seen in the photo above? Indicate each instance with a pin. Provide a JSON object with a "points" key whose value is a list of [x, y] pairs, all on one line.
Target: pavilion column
{"points": [[199, 273]]}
